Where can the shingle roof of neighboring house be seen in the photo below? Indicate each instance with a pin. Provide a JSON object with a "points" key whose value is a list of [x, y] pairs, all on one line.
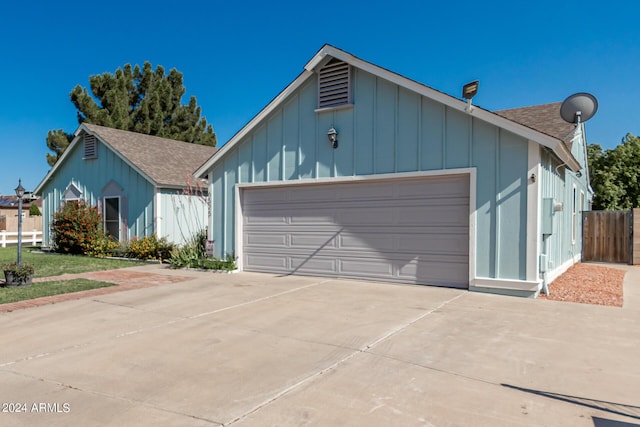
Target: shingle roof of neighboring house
{"points": [[166, 161], [544, 118], [8, 202]]}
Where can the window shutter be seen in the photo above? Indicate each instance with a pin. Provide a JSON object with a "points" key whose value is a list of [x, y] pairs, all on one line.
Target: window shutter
{"points": [[90, 147], [334, 84]]}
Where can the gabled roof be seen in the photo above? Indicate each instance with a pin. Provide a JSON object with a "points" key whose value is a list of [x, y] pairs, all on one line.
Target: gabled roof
{"points": [[544, 118], [327, 52], [163, 162]]}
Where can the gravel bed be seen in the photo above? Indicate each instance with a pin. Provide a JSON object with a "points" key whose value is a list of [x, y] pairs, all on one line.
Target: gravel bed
{"points": [[588, 284]]}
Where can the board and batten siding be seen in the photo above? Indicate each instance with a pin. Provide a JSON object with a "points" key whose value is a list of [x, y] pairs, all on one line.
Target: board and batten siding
{"points": [[389, 129], [181, 215], [91, 177], [557, 183]]}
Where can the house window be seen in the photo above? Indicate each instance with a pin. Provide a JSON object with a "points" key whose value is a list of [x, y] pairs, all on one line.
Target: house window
{"points": [[111, 217], [334, 84], [90, 147]]}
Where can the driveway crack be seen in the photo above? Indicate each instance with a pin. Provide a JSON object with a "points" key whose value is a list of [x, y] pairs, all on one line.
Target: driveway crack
{"points": [[346, 358]]}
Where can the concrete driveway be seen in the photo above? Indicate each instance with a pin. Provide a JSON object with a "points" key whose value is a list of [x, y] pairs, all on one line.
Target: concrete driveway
{"points": [[261, 350]]}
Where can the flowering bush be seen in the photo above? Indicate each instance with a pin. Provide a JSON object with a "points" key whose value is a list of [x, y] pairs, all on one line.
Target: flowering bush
{"points": [[149, 247], [103, 245], [75, 227]]}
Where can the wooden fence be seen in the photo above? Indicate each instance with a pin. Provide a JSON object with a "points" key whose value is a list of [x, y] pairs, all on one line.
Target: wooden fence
{"points": [[609, 236]]}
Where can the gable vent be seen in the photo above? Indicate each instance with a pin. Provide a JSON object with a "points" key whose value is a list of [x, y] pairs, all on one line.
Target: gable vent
{"points": [[334, 84], [90, 147]]}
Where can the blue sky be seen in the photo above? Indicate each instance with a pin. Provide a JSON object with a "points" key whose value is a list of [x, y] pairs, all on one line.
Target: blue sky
{"points": [[236, 56]]}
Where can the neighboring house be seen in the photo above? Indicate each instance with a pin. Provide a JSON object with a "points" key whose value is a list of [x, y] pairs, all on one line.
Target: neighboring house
{"points": [[141, 184], [9, 214], [417, 189]]}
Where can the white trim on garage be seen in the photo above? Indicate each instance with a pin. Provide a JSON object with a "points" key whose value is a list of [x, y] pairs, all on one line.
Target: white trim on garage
{"points": [[471, 172]]}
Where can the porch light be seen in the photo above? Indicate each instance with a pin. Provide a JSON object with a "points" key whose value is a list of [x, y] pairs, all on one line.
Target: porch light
{"points": [[332, 134]]}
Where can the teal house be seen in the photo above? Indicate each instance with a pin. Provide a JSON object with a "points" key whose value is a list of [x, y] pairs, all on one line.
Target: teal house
{"points": [[355, 171], [141, 184]]}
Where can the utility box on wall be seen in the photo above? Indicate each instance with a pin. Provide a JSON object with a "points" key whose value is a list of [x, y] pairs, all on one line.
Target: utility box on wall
{"points": [[548, 213]]}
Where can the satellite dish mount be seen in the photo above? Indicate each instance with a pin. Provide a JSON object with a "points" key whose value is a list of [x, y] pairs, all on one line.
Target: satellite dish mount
{"points": [[578, 108]]}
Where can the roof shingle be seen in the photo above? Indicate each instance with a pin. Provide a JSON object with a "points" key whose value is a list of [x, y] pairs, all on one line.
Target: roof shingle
{"points": [[166, 161], [544, 118]]}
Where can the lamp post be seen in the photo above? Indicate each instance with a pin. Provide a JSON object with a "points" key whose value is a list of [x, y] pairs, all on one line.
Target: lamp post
{"points": [[19, 193]]}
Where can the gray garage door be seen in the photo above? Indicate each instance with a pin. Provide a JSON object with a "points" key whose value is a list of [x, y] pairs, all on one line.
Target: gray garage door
{"points": [[411, 230]]}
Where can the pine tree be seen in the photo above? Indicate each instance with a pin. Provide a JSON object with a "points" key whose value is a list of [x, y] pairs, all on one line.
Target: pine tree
{"points": [[138, 100]]}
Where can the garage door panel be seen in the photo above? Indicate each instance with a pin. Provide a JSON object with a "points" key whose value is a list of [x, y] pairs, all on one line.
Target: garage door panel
{"points": [[313, 241], [250, 219], [314, 265], [434, 215], [439, 273], [265, 239], [433, 244], [320, 216], [443, 186], [413, 230], [267, 262], [372, 267]]}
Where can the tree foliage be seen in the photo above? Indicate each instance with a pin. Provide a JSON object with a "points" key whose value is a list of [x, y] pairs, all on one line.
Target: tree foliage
{"points": [[615, 174], [140, 100]]}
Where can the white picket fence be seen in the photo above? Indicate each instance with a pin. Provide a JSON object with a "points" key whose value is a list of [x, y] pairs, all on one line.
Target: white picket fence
{"points": [[28, 238]]}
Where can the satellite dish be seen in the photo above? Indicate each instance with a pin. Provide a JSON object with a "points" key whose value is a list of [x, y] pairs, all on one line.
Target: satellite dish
{"points": [[579, 107]]}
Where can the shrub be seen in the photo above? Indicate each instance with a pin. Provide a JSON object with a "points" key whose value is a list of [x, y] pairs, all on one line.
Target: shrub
{"points": [[75, 227], [191, 253], [103, 245], [194, 255], [150, 247], [34, 210]]}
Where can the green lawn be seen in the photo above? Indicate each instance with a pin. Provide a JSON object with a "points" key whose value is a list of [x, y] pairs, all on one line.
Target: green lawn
{"points": [[51, 264], [45, 289]]}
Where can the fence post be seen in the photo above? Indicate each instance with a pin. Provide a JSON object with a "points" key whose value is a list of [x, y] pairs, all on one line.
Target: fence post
{"points": [[3, 240]]}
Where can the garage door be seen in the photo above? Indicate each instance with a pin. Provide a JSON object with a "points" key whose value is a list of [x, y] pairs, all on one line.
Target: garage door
{"points": [[402, 230]]}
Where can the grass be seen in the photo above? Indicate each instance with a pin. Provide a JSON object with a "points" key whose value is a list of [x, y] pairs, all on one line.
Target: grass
{"points": [[45, 289], [51, 264]]}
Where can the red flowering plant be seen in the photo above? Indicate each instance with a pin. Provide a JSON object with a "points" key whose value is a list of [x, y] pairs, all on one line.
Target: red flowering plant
{"points": [[75, 227]]}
